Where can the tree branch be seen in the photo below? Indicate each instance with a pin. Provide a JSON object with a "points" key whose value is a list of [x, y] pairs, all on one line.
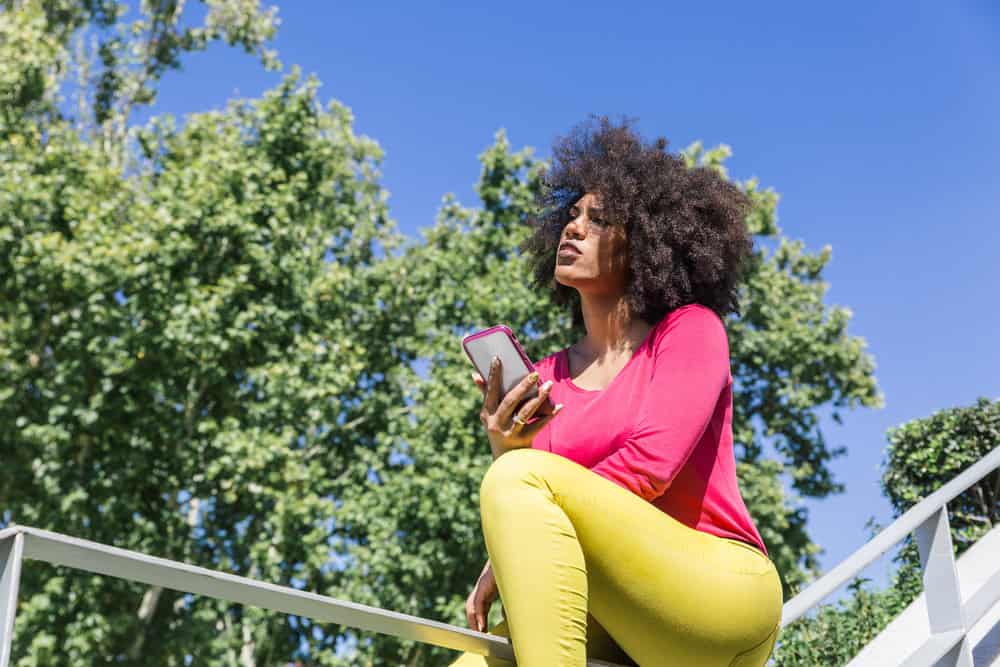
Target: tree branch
{"points": [[147, 608]]}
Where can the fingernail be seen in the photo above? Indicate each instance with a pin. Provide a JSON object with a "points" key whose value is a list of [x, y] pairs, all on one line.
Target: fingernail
{"points": [[555, 410], [495, 362], [534, 377], [548, 383]]}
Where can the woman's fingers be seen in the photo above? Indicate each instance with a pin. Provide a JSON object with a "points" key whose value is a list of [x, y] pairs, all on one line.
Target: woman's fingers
{"points": [[531, 407], [480, 382], [477, 608], [483, 603], [505, 410], [470, 611], [530, 431], [493, 386], [480, 616]]}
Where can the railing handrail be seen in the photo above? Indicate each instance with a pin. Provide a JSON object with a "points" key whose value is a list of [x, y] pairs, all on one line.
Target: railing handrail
{"points": [[907, 523], [38, 544]]}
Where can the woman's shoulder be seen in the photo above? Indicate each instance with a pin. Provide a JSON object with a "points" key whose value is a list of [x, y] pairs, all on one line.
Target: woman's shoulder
{"points": [[692, 319], [692, 312]]}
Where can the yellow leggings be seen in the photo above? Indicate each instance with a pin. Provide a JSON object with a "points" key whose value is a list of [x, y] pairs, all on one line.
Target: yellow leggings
{"points": [[579, 560]]}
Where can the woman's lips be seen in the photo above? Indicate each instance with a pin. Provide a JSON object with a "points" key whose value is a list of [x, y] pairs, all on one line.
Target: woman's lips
{"points": [[568, 250]]}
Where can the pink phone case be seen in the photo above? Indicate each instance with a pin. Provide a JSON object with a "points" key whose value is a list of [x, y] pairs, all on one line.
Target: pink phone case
{"points": [[506, 347]]}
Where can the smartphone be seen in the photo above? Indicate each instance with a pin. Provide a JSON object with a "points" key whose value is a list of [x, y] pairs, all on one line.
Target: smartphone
{"points": [[501, 342]]}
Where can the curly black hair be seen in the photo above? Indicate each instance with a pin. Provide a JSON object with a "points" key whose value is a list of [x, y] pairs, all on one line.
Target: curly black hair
{"points": [[686, 231]]}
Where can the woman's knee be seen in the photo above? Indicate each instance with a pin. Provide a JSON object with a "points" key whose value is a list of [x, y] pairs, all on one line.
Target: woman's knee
{"points": [[509, 470]]}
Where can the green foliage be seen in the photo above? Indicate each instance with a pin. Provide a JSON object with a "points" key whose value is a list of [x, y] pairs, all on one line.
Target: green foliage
{"points": [[207, 358], [835, 634], [922, 456], [926, 453]]}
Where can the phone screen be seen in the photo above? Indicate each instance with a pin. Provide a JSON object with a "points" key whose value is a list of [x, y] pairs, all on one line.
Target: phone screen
{"points": [[498, 341]]}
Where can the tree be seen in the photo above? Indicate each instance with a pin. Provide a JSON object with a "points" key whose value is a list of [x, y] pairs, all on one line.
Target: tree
{"points": [[923, 455], [207, 338], [189, 333]]}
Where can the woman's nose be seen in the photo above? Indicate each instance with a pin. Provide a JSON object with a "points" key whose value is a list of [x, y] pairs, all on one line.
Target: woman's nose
{"points": [[578, 226]]}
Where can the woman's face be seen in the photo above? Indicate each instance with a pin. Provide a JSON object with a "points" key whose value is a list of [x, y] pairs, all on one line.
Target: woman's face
{"points": [[599, 266]]}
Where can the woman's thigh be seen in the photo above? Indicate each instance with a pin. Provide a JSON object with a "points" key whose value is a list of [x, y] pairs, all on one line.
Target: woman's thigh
{"points": [[667, 593]]}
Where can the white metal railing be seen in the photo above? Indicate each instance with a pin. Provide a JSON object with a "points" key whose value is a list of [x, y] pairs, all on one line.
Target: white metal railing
{"points": [[19, 543], [928, 520]]}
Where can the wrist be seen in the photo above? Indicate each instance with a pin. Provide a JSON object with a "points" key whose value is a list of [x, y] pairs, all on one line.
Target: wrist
{"points": [[499, 448]]}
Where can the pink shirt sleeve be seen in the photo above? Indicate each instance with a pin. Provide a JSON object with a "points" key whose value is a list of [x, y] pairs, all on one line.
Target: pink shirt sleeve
{"points": [[690, 370]]}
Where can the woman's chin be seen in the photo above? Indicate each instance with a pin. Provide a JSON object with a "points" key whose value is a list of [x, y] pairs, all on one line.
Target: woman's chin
{"points": [[564, 280], [570, 276]]}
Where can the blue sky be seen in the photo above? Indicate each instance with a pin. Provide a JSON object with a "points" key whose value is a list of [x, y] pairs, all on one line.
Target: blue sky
{"points": [[876, 122]]}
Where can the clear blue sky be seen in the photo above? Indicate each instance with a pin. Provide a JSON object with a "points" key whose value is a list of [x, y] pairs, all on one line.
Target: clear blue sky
{"points": [[878, 123]]}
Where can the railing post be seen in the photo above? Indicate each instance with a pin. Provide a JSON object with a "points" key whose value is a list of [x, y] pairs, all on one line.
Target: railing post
{"points": [[944, 599], [11, 553]]}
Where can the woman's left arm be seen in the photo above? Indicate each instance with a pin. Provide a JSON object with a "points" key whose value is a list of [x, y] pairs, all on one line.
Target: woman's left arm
{"points": [[690, 371]]}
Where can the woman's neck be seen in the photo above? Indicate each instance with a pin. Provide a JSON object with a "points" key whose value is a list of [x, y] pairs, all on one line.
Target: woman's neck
{"points": [[611, 329]]}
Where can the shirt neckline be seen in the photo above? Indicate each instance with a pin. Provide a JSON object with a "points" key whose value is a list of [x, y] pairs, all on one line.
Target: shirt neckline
{"points": [[564, 360]]}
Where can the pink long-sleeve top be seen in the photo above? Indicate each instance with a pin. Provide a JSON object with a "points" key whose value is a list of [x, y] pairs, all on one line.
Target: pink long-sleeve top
{"points": [[663, 428]]}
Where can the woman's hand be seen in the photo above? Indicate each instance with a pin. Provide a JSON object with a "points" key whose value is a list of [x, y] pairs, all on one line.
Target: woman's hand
{"points": [[477, 605], [497, 416]]}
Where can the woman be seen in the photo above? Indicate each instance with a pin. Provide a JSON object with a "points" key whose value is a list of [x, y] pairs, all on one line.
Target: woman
{"points": [[614, 525]]}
